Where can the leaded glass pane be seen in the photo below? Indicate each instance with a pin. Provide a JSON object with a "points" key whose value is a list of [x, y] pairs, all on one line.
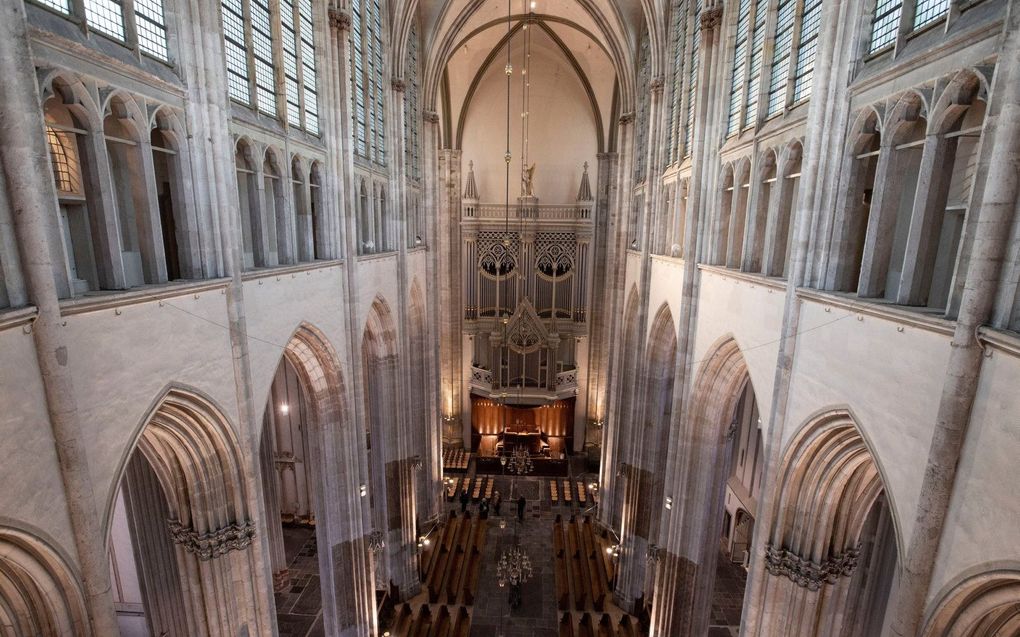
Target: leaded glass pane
{"points": [[808, 48], [885, 24], [151, 27], [106, 16], [781, 57], [928, 11]]}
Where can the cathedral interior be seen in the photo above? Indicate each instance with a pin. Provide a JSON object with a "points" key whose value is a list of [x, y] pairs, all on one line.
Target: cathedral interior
{"points": [[578, 318]]}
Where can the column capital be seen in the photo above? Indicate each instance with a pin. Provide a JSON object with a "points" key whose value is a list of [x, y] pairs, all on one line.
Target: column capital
{"points": [[627, 118], [340, 20], [711, 18], [431, 117], [806, 573], [206, 546], [398, 84], [656, 84]]}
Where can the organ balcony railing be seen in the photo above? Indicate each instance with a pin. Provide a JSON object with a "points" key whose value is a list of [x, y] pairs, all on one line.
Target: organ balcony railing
{"points": [[483, 384], [540, 212]]}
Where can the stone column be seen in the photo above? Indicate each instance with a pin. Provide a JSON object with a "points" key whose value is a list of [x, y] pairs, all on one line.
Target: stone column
{"points": [[996, 190], [160, 579], [676, 611], [32, 195], [271, 495], [934, 177], [150, 230], [882, 223]]}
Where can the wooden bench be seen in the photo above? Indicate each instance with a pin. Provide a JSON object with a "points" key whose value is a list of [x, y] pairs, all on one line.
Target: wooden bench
{"points": [[606, 627], [402, 622], [567, 626], [463, 626], [562, 583], [488, 488], [422, 622], [585, 628], [554, 494], [441, 627], [582, 495], [567, 497], [626, 628]]}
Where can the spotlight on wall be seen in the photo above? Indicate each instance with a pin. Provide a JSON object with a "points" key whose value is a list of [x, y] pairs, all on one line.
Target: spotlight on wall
{"points": [[669, 503], [284, 408], [417, 239], [363, 489], [533, 5]]}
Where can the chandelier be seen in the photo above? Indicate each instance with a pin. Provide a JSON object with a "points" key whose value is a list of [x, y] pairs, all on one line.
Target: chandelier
{"points": [[518, 462], [514, 568]]}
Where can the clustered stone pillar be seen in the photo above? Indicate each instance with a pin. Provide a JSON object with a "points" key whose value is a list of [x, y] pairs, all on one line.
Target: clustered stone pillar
{"points": [[996, 190], [674, 611], [32, 196]]}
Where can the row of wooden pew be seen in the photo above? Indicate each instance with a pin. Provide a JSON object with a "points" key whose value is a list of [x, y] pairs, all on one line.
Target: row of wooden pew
{"points": [[452, 566], [564, 490], [456, 459], [452, 622], [583, 573], [585, 626], [477, 488]]}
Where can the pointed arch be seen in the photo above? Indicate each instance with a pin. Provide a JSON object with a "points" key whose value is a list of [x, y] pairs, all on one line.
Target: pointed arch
{"points": [[39, 593], [983, 605]]}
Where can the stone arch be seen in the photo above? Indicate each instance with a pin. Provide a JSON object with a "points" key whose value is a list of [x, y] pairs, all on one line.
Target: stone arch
{"points": [[337, 462], [390, 453], [983, 605], [644, 466], [39, 593], [423, 404], [963, 90], [616, 453], [125, 108], [254, 243], [72, 92], [185, 473], [765, 178], [906, 111], [686, 572], [832, 543]]}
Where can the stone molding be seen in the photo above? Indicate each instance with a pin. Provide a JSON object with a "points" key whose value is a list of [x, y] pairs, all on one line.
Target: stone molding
{"points": [[656, 84], [206, 546], [806, 573], [398, 84], [626, 118], [340, 20], [376, 541], [431, 117]]}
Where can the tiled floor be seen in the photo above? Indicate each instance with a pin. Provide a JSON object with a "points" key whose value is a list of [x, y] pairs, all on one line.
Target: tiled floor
{"points": [[299, 608], [727, 598]]}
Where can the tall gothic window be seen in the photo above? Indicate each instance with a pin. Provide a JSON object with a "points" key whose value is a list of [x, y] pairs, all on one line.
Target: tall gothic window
{"points": [[641, 121], [412, 114], [739, 66], [255, 58], [299, 64], [143, 28], [677, 81], [368, 93], [755, 62], [885, 24], [891, 19], [793, 54], [693, 63]]}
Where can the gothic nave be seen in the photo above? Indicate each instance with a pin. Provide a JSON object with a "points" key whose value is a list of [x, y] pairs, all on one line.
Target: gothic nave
{"points": [[577, 318]]}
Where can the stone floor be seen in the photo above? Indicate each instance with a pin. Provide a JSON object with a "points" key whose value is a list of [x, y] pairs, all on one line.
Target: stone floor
{"points": [[299, 608], [727, 598]]}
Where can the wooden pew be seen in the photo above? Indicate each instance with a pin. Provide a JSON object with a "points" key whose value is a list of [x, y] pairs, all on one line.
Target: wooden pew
{"points": [[567, 626], [463, 626], [626, 628], [471, 579], [558, 537], [567, 497], [606, 626], [441, 626], [422, 622], [554, 493], [402, 623], [562, 583], [585, 628], [582, 495]]}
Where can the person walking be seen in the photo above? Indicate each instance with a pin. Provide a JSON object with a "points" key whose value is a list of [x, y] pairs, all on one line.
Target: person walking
{"points": [[497, 499], [464, 499], [483, 509], [521, 502]]}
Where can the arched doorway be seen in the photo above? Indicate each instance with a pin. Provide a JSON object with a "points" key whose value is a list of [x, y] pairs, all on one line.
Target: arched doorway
{"points": [[718, 426], [985, 605], [187, 503], [312, 472], [831, 552], [424, 407], [645, 463], [391, 457], [38, 593]]}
